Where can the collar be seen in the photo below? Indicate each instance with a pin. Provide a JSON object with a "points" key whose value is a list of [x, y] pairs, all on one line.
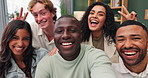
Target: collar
{"points": [[123, 69], [40, 31]]}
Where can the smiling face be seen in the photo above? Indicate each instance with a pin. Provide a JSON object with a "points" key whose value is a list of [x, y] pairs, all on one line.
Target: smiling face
{"points": [[96, 18], [19, 42], [67, 36], [131, 43], [42, 16]]}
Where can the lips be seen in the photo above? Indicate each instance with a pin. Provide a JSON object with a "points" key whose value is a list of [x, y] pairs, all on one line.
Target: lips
{"points": [[19, 49], [131, 54], [94, 22], [42, 24], [67, 45]]}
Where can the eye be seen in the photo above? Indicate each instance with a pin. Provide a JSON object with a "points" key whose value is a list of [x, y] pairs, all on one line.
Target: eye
{"points": [[43, 13], [119, 40], [35, 15], [91, 12], [136, 38], [72, 30], [101, 14], [26, 38], [58, 31], [14, 38]]}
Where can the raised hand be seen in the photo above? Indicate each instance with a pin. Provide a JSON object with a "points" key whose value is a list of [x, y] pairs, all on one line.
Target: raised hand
{"points": [[52, 52], [20, 17], [127, 15]]}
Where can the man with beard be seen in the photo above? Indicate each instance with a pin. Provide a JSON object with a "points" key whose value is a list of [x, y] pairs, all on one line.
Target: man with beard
{"points": [[131, 40]]}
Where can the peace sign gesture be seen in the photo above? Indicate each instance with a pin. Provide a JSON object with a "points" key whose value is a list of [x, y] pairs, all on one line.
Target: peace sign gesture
{"points": [[127, 15], [20, 17]]}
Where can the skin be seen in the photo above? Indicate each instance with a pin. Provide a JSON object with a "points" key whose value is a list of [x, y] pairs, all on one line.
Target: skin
{"points": [[131, 44], [19, 44], [67, 37], [44, 18], [97, 15]]}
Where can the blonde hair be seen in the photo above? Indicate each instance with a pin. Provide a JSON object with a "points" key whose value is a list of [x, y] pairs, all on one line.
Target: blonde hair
{"points": [[48, 5]]}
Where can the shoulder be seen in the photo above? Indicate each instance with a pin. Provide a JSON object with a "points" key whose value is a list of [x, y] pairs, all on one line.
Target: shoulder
{"points": [[92, 50], [40, 52]]}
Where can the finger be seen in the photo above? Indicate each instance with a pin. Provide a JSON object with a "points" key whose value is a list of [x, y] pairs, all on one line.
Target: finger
{"points": [[125, 9], [122, 14], [53, 52], [26, 14], [21, 11], [134, 13], [15, 17]]}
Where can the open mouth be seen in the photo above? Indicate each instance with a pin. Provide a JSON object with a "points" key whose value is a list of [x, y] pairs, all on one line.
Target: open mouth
{"points": [[19, 48], [130, 53], [94, 22], [66, 44]]}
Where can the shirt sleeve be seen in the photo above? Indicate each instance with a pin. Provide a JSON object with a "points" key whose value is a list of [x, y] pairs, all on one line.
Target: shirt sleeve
{"points": [[100, 65], [42, 70]]}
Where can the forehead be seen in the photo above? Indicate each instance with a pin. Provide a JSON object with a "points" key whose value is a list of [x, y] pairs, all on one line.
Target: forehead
{"points": [[98, 8], [22, 32], [67, 21], [131, 29], [37, 7]]}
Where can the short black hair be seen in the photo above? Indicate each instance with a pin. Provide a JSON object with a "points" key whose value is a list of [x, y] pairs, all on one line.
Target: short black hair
{"points": [[129, 22]]}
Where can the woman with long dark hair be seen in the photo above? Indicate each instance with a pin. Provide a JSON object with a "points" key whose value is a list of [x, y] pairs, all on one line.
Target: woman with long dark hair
{"points": [[98, 26], [18, 59]]}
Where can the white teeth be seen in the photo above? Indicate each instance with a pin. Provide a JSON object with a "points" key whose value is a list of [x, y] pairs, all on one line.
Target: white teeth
{"points": [[130, 53], [66, 44], [93, 21], [18, 48]]}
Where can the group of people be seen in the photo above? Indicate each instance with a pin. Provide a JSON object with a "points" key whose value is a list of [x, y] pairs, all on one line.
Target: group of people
{"points": [[94, 47]]}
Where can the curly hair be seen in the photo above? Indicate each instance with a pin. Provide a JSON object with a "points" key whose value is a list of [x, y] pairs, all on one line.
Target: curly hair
{"points": [[6, 54], [48, 5], [108, 27]]}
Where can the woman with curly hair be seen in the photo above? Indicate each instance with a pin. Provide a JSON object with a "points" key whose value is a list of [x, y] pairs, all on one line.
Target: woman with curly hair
{"points": [[98, 26], [18, 59]]}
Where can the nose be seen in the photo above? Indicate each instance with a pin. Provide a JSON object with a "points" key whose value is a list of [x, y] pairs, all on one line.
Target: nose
{"points": [[95, 15], [66, 35], [39, 18], [20, 43], [128, 44]]}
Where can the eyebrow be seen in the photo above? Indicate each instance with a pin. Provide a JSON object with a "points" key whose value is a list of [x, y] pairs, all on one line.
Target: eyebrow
{"points": [[99, 11], [132, 35]]}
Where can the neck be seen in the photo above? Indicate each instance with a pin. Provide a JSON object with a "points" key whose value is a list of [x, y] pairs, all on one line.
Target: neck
{"points": [[97, 34], [71, 57], [49, 33], [19, 61], [139, 67]]}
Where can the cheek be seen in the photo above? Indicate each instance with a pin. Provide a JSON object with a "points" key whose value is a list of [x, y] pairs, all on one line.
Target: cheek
{"points": [[10, 44], [102, 20], [27, 43], [88, 19], [118, 46]]}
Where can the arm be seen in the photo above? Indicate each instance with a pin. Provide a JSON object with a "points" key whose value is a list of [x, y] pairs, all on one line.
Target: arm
{"points": [[20, 17], [101, 66], [43, 68], [127, 15]]}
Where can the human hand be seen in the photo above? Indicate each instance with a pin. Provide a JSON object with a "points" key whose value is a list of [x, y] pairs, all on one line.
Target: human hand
{"points": [[20, 17], [128, 16], [52, 52]]}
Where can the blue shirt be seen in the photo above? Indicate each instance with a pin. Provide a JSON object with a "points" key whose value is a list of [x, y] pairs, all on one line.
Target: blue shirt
{"points": [[16, 72]]}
